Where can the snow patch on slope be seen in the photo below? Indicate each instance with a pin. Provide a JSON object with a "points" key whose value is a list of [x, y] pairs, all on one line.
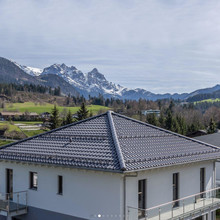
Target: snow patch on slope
{"points": [[29, 70]]}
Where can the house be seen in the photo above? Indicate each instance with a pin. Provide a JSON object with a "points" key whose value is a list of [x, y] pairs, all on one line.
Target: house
{"points": [[10, 115], [30, 116], [213, 139], [108, 167], [150, 111], [18, 115], [45, 115], [197, 133]]}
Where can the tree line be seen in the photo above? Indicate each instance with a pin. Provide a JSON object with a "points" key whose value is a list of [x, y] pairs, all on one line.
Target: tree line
{"points": [[12, 89]]}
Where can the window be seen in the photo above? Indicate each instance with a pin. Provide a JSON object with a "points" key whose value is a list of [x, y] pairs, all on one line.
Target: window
{"points": [[60, 185], [33, 180], [9, 183], [175, 189], [141, 198], [202, 181]]}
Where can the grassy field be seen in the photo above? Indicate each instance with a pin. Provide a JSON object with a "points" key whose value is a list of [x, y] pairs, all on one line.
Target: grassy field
{"points": [[208, 100], [4, 142], [11, 127], [33, 133], [40, 108], [14, 126]]}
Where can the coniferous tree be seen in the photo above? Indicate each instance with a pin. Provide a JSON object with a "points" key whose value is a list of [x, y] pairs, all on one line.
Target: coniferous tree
{"points": [[182, 124], [82, 113], [212, 126], [169, 121], [152, 119], [175, 126], [54, 120], [162, 120], [69, 118]]}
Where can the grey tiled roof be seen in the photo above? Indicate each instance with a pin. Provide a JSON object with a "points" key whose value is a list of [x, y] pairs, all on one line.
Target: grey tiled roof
{"points": [[109, 142], [210, 139]]}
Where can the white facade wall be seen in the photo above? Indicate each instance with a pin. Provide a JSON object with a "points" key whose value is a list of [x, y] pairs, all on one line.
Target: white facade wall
{"points": [[159, 183], [218, 171], [86, 194]]}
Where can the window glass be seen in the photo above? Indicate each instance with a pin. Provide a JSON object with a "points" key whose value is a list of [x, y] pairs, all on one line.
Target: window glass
{"points": [[60, 185], [33, 180]]}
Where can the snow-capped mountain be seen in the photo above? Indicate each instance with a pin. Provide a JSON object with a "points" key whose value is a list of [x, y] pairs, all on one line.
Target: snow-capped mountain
{"points": [[30, 70], [93, 83]]}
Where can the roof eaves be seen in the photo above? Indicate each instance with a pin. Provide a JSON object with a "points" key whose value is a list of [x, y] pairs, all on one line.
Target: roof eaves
{"points": [[116, 142]]}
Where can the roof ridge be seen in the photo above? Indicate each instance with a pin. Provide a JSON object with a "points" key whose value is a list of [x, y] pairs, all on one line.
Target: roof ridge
{"points": [[167, 131], [116, 142]]}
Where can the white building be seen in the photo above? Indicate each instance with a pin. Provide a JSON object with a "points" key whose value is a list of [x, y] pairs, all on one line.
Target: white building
{"points": [[151, 111], [213, 139], [108, 167]]}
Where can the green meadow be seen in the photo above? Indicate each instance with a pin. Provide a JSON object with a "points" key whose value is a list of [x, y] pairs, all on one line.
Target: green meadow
{"points": [[40, 108], [208, 100], [3, 142]]}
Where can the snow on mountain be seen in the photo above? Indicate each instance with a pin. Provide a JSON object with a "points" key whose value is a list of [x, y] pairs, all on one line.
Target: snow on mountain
{"points": [[30, 70], [94, 83]]}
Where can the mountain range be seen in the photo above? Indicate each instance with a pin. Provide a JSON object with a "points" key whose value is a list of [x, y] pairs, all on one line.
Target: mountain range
{"points": [[75, 82]]}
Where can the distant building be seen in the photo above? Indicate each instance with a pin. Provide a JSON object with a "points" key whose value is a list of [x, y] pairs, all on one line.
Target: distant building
{"points": [[74, 116], [151, 111], [10, 115], [18, 115], [197, 133], [45, 115], [213, 139]]}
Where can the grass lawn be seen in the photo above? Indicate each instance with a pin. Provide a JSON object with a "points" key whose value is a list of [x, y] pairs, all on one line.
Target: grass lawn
{"points": [[40, 108], [209, 100], [11, 127], [14, 127], [4, 142], [33, 133], [28, 122]]}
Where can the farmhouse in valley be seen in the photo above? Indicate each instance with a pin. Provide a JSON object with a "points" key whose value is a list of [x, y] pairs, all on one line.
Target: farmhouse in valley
{"points": [[18, 115], [108, 167]]}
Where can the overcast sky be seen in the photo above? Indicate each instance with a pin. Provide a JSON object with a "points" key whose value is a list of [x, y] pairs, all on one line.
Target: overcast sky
{"points": [[161, 46]]}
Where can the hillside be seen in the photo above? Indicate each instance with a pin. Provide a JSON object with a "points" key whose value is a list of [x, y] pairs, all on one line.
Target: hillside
{"points": [[11, 72], [214, 93], [56, 81]]}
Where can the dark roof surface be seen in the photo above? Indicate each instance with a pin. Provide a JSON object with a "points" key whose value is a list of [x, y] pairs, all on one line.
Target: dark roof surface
{"points": [[110, 142], [210, 139]]}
